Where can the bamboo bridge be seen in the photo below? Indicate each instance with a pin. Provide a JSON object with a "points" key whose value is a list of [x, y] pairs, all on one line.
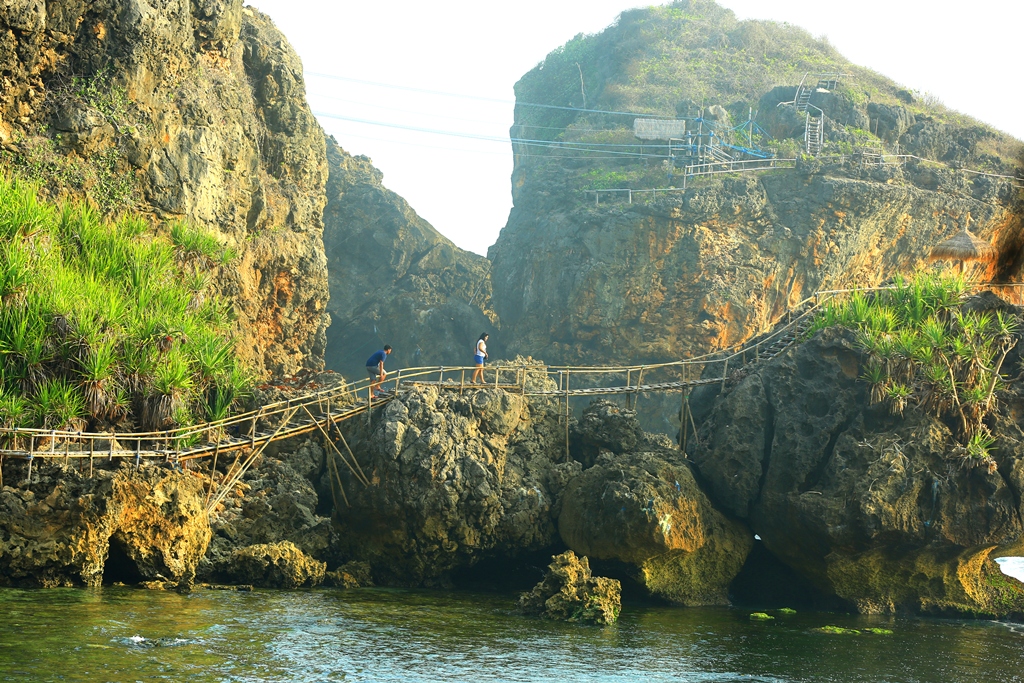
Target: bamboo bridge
{"points": [[248, 434]]}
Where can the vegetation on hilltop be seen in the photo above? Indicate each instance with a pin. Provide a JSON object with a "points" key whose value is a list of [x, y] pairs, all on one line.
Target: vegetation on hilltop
{"points": [[694, 58], [108, 324], [928, 351]]}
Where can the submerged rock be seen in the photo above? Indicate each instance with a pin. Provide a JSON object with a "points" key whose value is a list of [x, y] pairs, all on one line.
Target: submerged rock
{"points": [[643, 507], [128, 525], [275, 565], [352, 574], [568, 592]]}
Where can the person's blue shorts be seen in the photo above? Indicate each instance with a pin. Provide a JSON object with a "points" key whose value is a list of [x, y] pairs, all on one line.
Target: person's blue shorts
{"points": [[479, 359]]}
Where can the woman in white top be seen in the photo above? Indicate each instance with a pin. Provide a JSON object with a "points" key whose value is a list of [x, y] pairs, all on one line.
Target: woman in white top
{"points": [[479, 356]]}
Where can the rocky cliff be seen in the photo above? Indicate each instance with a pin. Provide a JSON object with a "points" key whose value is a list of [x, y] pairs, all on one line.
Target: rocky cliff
{"points": [[394, 279], [665, 275], [183, 109], [870, 507]]}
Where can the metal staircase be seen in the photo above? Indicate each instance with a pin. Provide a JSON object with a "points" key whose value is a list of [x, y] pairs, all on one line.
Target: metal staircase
{"points": [[814, 130]]}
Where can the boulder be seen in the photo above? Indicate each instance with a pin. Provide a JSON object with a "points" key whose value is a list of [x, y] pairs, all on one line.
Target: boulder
{"points": [[568, 592], [275, 565], [643, 508]]}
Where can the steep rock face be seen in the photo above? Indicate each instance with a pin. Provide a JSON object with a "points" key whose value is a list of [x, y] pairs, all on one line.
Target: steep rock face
{"points": [[641, 506], [188, 110], [394, 279], [65, 529], [867, 506], [645, 277], [453, 479], [275, 565], [711, 268]]}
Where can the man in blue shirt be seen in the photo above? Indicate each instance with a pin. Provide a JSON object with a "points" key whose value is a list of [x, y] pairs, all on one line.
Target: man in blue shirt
{"points": [[375, 368]]}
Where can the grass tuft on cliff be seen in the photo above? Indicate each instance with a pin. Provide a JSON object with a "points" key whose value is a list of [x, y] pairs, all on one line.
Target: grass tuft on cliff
{"points": [[108, 324], [928, 352]]}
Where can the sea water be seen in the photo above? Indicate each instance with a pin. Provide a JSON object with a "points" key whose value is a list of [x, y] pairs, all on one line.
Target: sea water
{"points": [[123, 634]]}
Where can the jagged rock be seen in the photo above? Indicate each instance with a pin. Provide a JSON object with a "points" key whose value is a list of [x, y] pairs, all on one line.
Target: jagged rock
{"points": [[66, 530], [350, 575], [277, 502], [197, 111], [568, 592], [275, 565], [867, 506], [453, 479], [394, 278], [640, 505]]}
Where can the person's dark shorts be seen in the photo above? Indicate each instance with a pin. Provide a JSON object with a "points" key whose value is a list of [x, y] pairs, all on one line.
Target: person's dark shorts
{"points": [[372, 371]]}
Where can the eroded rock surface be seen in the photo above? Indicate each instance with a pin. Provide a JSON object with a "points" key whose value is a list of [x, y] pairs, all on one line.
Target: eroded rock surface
{"points": [[184, 109], [275, 565], [869, 507], [569, 592], [66, 530], [453, 479], [640, 505]]}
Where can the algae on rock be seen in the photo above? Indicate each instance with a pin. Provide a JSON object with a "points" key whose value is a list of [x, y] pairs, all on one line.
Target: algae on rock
{"points": [[569, 592]]}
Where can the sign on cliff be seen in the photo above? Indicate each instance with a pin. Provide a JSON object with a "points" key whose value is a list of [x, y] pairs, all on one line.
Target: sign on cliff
{"points": [[659, 129]]}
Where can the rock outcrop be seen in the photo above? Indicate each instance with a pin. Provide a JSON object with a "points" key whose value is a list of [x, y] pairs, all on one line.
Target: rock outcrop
{"points": [[651, 277], [275, 502], [869, 507], [640, 506], [394, 279], [275, 565], [568, 592], [453, 479], [189, 109], [127, 525]]}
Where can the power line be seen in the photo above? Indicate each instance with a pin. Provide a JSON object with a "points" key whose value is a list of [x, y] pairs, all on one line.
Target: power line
{"points": [[313, 93], [473, 97], [550, 144]]}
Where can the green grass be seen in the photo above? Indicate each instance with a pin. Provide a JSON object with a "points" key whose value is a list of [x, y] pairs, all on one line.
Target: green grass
{"points": [[925, 351], [108, 324]]}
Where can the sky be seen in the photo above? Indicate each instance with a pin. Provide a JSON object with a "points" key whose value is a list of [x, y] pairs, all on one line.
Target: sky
{"points": [[426, 89]]}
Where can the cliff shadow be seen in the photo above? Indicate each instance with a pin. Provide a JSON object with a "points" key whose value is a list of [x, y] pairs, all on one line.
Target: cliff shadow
{"points": [[765, 582]]}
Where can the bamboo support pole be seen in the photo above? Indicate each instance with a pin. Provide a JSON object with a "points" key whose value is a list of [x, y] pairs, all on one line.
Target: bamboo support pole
{"points": [[725, 372], [1, 472], [353, 456], [92, 448], [337, 478], [213, 471], [462, 382], [629, 396], [358, 474], [567, 416], [636, 392]]}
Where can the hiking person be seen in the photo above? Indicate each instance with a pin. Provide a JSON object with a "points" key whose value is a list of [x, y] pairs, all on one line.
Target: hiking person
{"points": [[375, 368], [479, 356]]}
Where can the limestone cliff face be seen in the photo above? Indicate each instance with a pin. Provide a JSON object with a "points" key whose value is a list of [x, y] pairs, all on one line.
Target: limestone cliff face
{"points": [[681, 273], [867, 506], [186, 109], [714, 266], [394, 279]]}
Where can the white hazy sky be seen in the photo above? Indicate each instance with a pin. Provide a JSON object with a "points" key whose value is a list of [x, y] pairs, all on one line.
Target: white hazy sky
{"points": [[968, 54]]}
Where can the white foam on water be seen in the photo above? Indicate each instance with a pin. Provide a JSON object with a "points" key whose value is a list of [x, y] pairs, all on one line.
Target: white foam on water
{"points": [[1012, 566]]}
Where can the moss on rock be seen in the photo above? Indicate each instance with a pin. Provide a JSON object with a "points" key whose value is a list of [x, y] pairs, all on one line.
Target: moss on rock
{"points": [[570, 593]]}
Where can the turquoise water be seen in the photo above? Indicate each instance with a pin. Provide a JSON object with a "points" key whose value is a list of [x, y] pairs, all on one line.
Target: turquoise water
{"points": [[122, 634]]}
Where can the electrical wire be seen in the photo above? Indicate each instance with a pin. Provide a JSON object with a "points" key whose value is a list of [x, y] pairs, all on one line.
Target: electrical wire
{"points": [[473, 97]]}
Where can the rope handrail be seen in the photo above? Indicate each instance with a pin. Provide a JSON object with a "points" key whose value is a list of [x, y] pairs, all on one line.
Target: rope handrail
{"points": [[350, 391]]}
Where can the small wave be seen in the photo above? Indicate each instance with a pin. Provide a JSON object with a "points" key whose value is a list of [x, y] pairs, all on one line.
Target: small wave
{"points": [[140, 641]]}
